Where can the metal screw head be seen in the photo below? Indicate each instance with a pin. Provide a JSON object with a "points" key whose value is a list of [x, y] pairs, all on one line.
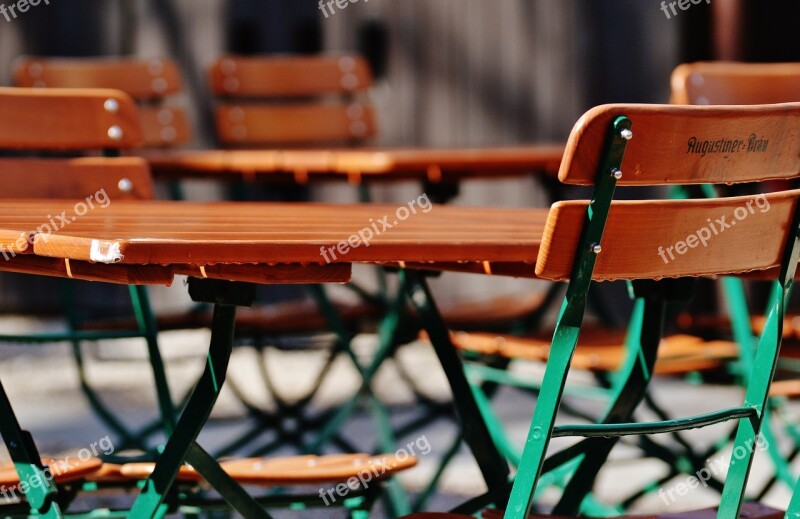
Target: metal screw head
{"points": [[111, 106], [626, 134], [125, 185], [596, 248], [115, 133], [616, 173]]}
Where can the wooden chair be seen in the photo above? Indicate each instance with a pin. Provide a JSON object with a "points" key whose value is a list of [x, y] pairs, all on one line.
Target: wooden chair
{"points": [[292, 101], [604, 240], [151, 82]]}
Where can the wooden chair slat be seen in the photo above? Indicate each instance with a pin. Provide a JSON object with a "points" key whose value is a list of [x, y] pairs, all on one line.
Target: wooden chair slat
{"points": [[164, 127], [88, 271], [43, 119], [690, 145], [299, 76], [121, 178], [248, 125], [652, 239], [731, 83], [142, 79]]}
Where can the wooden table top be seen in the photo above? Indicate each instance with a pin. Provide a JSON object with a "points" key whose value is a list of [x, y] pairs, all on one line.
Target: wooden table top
{"points": [[377, 164], [255, 237]]}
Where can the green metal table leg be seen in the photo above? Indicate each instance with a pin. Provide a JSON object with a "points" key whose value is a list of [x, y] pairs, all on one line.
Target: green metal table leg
{"points": [[149, 330], [493, 465], [150, 501]]}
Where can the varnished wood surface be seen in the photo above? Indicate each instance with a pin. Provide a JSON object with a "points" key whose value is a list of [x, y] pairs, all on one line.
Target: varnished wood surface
{"points": [[733, 83], [209, 233], [164, 126], [689, 144], [32, 118], [252, 125], [121, 178], [142, 79], [356, 165], [289, 76], [638, 235]]}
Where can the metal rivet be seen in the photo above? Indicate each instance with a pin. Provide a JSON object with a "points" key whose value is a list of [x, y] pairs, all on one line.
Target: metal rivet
{"points": [[596, 248], [616, 173], [115, 133], [626, 134], [111, 105], [125, 185]]}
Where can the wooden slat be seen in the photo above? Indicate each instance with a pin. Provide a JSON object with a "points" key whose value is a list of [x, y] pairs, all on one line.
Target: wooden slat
{"points": [[164, 127], [731, 83], [298, 76], [142, 79], [249, 124], [690, 145], [67, 119], [207, 233], [123, 178], [673, 238], [87, 271]]}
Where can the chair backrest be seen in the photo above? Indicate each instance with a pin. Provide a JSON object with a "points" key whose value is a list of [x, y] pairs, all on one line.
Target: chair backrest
{"points": [[689, 144], [118, 178], [294, 101], [67, 119], [74, 121], [676, 238], [732, 83], [149, 81]]}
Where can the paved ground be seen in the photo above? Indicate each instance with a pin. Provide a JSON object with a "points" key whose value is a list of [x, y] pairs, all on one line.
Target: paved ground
{"points": [[43, 387]]}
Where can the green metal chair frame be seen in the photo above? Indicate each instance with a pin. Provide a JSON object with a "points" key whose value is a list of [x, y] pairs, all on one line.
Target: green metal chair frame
{"points": [[605, 435]]}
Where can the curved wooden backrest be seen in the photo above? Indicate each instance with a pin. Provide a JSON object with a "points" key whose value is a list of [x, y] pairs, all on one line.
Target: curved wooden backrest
{"points": [[41, 119], [730, 83], [673, 238], [689, 144], [251, 124], [292, 100], [295, 76], [120, 178], [142, 79], [146, 80]]}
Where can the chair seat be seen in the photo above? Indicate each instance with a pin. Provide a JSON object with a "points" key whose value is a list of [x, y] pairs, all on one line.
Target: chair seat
{"points": [[491, 314], [63, 471], [603, 350], [297, 470], [749, 510]]}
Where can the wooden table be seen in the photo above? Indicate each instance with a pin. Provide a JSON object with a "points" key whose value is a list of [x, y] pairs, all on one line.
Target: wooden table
{"points": [[431, 164], [232, 243]]}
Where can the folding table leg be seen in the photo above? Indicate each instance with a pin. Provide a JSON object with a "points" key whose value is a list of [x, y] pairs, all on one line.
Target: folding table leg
{"points": [[493, 465], [40, 497], [181, 444]]}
